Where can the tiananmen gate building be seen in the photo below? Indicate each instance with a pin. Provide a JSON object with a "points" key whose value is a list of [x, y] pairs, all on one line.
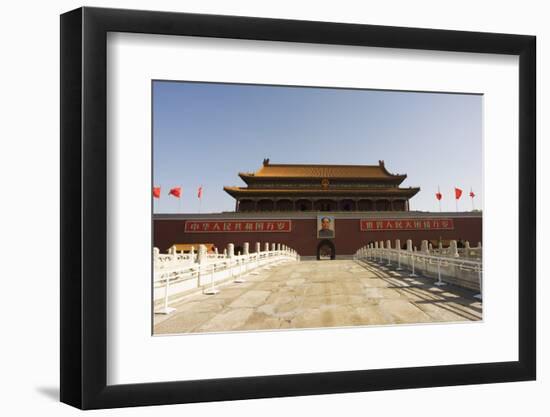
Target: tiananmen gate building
{"points": [[321, 188]]}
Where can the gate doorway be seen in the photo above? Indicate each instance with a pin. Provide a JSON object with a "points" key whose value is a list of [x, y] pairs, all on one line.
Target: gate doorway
{"points": [[326, 250]]}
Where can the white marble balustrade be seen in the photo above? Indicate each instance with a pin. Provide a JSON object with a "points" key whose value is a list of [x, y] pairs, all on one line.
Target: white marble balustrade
{"points": [[445, 265]]}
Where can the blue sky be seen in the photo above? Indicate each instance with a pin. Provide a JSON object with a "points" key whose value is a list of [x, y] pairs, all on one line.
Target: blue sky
{"points": [[205, 133]]}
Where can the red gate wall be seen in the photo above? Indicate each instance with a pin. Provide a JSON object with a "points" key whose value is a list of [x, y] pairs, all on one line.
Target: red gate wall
{"points": [[303, 235]]}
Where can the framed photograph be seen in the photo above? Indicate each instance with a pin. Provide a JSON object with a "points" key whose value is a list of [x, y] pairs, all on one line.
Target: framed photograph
{"points": [[206, 165], [326, 227]]}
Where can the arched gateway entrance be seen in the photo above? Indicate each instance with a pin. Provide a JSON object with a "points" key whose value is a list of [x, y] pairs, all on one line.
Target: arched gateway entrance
{"points": [[326, 250]]}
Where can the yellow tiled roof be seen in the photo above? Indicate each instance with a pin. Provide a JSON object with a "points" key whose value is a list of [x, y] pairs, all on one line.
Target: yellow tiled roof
{"points": [[321, 171]]}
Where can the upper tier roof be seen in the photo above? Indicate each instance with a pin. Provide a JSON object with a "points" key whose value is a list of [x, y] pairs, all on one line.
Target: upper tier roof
{"points": [[322, 171]]}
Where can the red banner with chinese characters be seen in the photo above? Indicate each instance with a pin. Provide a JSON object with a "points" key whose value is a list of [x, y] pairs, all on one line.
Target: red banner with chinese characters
{"points": [[232, 226], [379, 225]]}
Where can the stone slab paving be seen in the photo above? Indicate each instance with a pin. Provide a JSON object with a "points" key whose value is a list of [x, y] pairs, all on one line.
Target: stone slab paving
{"points": [[312, 294]]}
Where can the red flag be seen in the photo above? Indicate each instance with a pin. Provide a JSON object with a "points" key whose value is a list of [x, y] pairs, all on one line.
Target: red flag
{"points": [[199, 193], [458, 193], [156, 192], [176, 192], [472, 194], [438, 195]]}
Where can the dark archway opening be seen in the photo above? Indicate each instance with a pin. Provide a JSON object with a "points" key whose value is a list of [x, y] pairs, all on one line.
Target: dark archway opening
{"points": [[326, 250]]}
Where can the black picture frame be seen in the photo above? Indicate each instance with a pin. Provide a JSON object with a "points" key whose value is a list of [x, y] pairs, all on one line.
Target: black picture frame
{"points": [[84, 207]]}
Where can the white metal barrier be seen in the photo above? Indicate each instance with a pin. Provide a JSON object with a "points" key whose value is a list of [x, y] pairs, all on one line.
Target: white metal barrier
{"points": [[178, 273], [455, 269]]}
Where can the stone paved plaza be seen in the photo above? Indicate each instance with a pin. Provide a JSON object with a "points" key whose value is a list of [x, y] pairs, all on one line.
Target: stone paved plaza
{"points": [[312, 294]]}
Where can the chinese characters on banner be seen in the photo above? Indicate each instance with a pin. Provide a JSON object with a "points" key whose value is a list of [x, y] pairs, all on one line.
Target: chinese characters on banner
{"points": [[378, 225], [198, 226]]}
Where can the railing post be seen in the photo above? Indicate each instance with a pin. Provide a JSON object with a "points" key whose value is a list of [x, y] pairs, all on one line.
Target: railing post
{"points": [[240, 260], [439, 283], [388, 247], [231, 257], [200, 259], [467, 249], [454, 249], [398, 249], [424, 247], [412, 274], [166, 309], [246, 253], [257, 257], [479, 277], [203, 259], [257, 251]]}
